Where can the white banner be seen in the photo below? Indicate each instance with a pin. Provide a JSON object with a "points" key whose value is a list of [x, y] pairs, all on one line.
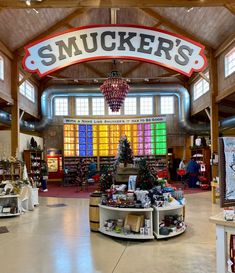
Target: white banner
{"points": [[114, 42], [114, 121]]}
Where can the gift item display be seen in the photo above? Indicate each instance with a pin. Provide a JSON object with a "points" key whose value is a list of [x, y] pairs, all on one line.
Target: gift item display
{"points": [[164, 207], [131, 223], [18, 192]]}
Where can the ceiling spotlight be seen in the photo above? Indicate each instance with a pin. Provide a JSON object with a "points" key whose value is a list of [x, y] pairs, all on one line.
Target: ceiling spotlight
{"points": [[146, 80], [28, 2], [95, 80], [36, 10]]}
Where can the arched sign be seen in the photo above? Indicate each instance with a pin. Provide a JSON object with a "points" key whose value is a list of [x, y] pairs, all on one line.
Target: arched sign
{"points": [[114, 42]]}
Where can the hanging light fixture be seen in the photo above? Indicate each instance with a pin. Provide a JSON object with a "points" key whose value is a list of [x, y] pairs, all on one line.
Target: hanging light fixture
{"points": [[114, 89]]}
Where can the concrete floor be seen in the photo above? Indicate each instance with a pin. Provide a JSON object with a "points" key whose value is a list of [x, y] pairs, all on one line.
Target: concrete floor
{"points": [[58, 240]]}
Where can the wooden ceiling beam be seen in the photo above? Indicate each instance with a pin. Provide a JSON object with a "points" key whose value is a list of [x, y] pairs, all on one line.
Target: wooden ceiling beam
{"points": [[226, 92], [5, 50], [224, 114], [96, 71], [158, 24], [113, 3], [225, 45], [26, 76], [68, 25], [230, 8], [53, 28], [128, 72], [227, 103], [204, 77], [166, 22]]}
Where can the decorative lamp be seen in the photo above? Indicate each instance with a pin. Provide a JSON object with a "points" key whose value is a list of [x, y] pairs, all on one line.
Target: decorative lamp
{"points": [[114, 89]]}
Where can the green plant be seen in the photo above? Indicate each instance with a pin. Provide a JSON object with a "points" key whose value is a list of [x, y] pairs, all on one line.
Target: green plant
{"points": [[106, 178], [145, 179], [125, 154]]}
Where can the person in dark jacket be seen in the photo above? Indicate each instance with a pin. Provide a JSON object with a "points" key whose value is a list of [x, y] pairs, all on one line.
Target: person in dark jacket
{"points": [[44, 175], [192, 171]]}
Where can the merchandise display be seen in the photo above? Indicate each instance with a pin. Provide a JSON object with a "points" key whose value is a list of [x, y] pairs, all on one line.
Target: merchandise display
{"points": [[33, 159], [166, 206], [103, 140], [17, 191]]}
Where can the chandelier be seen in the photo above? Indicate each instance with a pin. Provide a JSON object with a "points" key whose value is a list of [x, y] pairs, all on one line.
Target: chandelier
{"points": [[114, 89]]}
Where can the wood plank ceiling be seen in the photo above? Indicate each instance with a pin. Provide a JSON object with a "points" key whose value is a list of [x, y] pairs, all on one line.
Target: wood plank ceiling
{"points": [[210, 22]]}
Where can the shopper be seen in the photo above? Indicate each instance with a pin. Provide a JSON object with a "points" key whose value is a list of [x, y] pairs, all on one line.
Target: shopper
{"points": [[44, 175], [81, 172], [193, 171], [182, 165], [91, 169]]}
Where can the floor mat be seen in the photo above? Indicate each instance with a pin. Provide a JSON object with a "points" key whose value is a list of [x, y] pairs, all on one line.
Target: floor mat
{"points": [[3, 229], [55, 189], [56, 205]]}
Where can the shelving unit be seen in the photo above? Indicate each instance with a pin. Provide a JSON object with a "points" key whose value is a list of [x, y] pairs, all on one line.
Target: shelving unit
{"points": [[10, 170], [158, 216], [103, 139], [107, 213], [203, 154], [33, 159], [70, 167], [10, 204]]}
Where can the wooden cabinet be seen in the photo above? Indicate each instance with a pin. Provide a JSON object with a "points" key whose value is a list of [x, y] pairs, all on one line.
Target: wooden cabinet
{"points": [[33, 159], [203, 156], [11, 170]]}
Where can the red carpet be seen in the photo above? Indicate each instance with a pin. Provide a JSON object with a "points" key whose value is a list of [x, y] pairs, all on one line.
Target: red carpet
{"points": [[187, 190], [56, 190]]}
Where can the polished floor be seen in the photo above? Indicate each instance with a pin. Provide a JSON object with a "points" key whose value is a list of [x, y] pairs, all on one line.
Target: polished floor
{"points": [[58, 240]]}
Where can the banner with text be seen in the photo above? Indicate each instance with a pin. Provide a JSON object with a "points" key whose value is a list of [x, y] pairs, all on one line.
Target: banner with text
{"points": [[114, 42], [114, 121]]}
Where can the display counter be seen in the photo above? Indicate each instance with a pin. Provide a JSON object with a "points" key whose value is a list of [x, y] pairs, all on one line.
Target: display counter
{"points": [[223, 228], [107, 212]]}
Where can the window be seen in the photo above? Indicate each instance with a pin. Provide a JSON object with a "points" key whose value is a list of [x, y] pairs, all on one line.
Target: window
{"points": [[82, 107], [167, 105], [27, 89], [146, 105], [61, 106], [229, 62], [200, 87], [98, 106], [130, 106], [1, 68], [114, 113]]}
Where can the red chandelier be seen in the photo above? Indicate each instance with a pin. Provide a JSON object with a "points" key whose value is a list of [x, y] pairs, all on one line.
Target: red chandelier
{"points": [[114, 89]]}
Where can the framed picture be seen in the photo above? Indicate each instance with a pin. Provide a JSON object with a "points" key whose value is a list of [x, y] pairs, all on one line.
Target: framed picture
{"points": [[52, 164], [227, 171]]}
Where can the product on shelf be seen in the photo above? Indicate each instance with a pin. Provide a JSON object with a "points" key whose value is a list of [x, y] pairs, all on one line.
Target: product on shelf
{"points": [[33, 159]]}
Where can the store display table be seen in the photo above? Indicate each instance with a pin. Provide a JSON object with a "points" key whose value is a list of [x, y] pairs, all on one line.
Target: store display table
{"points": [[158, 216], [223, 228], [107, 212]]}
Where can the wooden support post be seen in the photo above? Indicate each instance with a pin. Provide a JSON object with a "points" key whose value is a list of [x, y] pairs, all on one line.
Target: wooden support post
{"points": [[15, 122], [214, 109]]}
